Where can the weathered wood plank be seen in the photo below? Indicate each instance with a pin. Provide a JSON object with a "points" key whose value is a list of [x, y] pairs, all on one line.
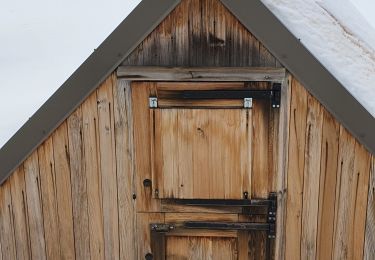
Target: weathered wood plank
{"points": [[20, 219], [79, 186], [107, 160], [144, 73], [345, 201], [362, 166], [90, 143], [142, 144], [7, 239], [49, 202], [125, 168], [369, 252], [311, 178], [296, 162], [63, 191], [281, 164], [328, 172], [261, 168], [34, 207]]}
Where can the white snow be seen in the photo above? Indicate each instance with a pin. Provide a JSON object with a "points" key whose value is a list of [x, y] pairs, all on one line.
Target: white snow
{"points": [[336, 33]]}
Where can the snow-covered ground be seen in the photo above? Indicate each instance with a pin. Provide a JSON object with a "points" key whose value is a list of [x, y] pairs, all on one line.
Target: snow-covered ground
{"points": [[337, 34]]}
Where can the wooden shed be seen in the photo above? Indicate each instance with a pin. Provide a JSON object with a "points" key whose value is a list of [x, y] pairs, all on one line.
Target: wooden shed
{"points": [[199, 129]]}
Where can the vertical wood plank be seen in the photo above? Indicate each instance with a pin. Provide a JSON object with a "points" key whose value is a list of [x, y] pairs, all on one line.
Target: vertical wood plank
{"points": [[48, 195], [142, 152], [34, 207], [7, 239], [108, 168], [20, 220], [369, 252], [281, 164], [90, 143], [63, 191], [261, 170], [362, 166], [311, 178], [296, 164], [344, 197], [79, 186], [328, 172], [125, 168]]}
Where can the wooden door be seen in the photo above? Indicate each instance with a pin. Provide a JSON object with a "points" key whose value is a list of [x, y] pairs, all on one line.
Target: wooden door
{"points": [[204, 150]]}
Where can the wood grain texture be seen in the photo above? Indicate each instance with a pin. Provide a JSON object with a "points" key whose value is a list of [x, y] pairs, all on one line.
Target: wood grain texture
{"points": [[351, 197], [20, 219], [125, 168], [90, 144], [296, 158], [34, 207], [281, 164], [63, 191], [49, 203], [79, 186], [369, 252], [311, 178], [203, 153], [328, 176], [7, 238], [235, 74], [142, 147], [143, 231], [201, 33], [108, 168]]}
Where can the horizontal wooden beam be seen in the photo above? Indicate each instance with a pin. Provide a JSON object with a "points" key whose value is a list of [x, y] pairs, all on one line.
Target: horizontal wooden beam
{"points": [[140, 73]]}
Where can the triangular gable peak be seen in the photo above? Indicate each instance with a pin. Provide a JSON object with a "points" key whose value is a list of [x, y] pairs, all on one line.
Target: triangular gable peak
{"points": [[201, 33]]}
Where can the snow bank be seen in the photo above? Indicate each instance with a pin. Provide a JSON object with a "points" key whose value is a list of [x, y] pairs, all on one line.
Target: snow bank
{"points": [[339, 37]]}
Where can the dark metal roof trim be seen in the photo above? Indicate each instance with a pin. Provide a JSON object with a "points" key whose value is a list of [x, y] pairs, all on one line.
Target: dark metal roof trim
{"points": [[122, 41], [147, 15], [255, 16]]}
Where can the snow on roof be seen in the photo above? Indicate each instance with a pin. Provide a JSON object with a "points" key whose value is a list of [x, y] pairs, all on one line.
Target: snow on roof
{"points": [[339, 37]]}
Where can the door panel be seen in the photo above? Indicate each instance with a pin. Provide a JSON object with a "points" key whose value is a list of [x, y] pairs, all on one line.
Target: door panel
{"points": [[202, 153]]}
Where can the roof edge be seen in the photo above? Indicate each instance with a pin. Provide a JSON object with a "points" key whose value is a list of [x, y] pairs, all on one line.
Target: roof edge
{"points": [[100, 64], [258, 19]]}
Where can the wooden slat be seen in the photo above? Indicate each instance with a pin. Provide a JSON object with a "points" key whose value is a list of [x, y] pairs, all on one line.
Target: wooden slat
{"points": [[7, 238], [49, 202], [345, 199], [328, 172], [34, 207], [107, 160], [125, 168], [63, 191], [362, 166], [369, 252], [168, 86], [296, 163], [261, 168], [79, 186], [181, 217], [201, 74], [281, 164], [20, 219], [142, 152], [90, 143], [311, 178]]}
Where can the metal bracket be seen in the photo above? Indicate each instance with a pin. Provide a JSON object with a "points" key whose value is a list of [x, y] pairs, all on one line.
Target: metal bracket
{"points": [[276, 95], [247, 102], [153, 102]]}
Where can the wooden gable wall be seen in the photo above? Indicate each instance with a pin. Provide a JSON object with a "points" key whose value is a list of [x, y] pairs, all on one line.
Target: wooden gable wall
{"points": [[73, 197]]}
